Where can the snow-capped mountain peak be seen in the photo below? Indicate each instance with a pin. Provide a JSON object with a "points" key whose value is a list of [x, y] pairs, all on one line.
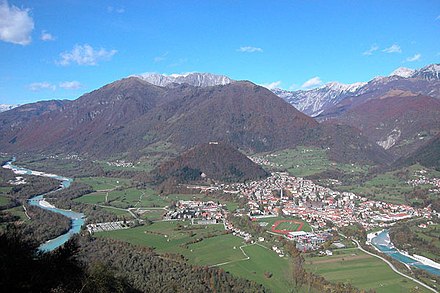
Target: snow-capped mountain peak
{"points": [[4, 107], [315, 101], [341, 87], [194, 79], [430, 72], [312, 102], [403, 72]]}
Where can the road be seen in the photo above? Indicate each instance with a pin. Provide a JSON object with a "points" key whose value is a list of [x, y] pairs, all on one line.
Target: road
{"points": [[394, 268]]}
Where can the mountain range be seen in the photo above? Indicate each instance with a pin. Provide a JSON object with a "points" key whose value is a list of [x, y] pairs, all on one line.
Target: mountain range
{"points": [[130, 115], [375, 122], [399, 112], [327, 99]]}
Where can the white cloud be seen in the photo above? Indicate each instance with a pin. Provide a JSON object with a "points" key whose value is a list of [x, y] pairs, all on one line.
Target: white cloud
{"points": [[111, 9], [15, 24], [315, 81], [272, 85], [249, 49], [160, 58], [45, 36], [393, 49], [370, 51], [416, 57], [85, 55], [70, 85], [38, 86]]}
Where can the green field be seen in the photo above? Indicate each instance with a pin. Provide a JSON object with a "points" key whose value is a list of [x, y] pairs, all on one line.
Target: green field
{"points": [[166, 236], [4, 200], [263, 260], [118, 212], [152, 214], [152, 155], [390, 186], [423, 241], [103, 183], [288, 226], [305, 161], [124, 198], [18, 211], [92, 198], [5, 190], [363, 271], [270, 221], [216, 248]]}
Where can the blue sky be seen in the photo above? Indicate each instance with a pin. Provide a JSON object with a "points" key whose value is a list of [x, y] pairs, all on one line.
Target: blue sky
{"points": [[62, 49]]}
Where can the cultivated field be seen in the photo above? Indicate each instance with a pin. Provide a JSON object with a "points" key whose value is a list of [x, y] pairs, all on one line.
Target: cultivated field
{"points": [[305, 161], [290, 224], [392, 186], [262, 260], [363, 271], [209, 245], [104, 183]]}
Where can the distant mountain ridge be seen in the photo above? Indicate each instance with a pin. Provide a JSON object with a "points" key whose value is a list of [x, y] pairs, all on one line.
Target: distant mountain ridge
{"points": [[313, 102], [321, 100], [194, 79]]}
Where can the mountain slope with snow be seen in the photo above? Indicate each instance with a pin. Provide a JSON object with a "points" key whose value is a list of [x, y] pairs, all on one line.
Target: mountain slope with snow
{"points": [[430, 72], [4, 107], [335, 96], [194, 79], [313, 102], [403, 72]]}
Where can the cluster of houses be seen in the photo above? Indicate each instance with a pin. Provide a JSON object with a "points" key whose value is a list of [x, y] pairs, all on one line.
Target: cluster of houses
{"points": [[278, 251], [121, 163], [318, 205], [199, 212], [237, 232], [73, 157], [264, 161], [423, 180]]}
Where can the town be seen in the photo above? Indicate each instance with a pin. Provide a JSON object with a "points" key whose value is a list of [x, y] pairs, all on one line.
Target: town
{"points": [[289, 196]]}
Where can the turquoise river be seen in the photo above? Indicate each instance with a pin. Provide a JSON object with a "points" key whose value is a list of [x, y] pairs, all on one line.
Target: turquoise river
{"points": [[77, 219]]}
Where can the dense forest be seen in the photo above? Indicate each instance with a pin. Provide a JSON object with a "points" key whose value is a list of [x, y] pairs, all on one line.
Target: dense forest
{"points": [[44, 225], [404, 237], [24, 270], [150, 272], [102, 265], [217, 161]]}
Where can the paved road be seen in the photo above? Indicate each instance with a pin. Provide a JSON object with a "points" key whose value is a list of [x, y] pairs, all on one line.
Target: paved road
{"points": [[394, 268]]}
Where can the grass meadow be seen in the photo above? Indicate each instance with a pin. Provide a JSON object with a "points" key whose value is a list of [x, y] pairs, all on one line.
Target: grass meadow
{"points": [[363, 271]]}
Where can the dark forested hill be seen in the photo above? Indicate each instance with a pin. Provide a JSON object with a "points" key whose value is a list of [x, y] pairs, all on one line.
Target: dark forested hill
{"points": [[428, 155], [399, 121], [215, 160]]}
